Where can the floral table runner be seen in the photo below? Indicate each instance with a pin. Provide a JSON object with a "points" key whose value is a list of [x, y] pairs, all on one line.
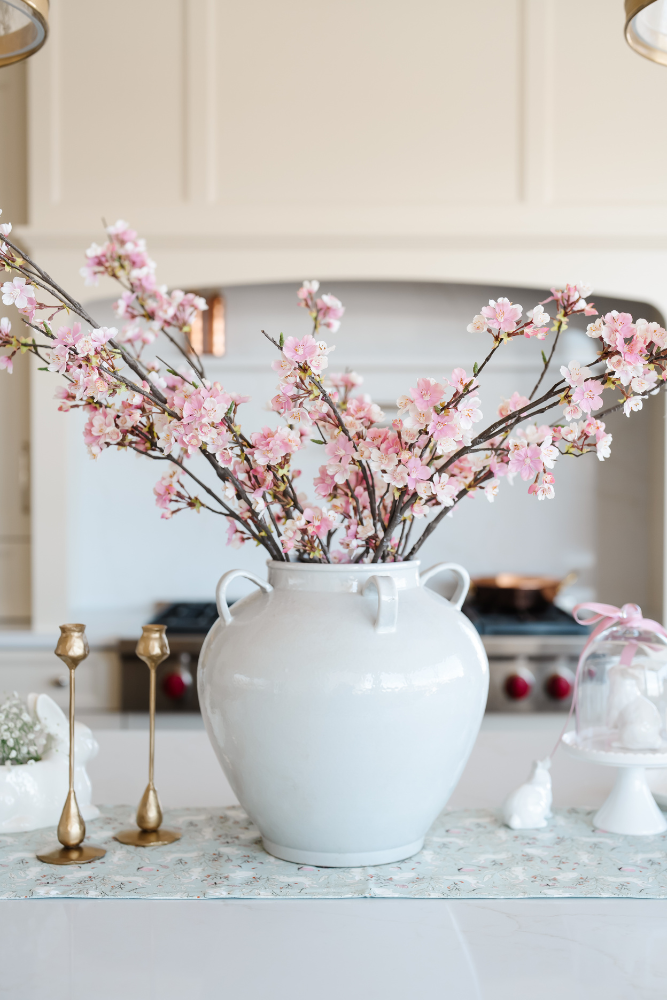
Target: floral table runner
{"points": [[468, 854]]}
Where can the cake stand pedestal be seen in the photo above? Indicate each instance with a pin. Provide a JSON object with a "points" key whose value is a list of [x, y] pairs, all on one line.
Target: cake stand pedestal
{"points": [[630, 807]]}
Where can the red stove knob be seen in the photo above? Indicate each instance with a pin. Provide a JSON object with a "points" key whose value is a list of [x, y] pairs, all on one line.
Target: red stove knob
{"points": [[174, 685], [518, 686], [558, 687]]}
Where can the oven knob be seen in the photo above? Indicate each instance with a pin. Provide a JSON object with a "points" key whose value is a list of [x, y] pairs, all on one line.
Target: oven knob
{"points": [[558, 687], [518, 686], [176, 683]]}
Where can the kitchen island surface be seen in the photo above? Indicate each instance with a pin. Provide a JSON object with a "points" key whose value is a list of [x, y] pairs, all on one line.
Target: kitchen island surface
{"points": [[614, 949]]}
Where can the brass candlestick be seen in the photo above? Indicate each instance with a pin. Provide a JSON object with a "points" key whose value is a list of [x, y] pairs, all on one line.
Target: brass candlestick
{"points": [[72, 648], [152, 648]]}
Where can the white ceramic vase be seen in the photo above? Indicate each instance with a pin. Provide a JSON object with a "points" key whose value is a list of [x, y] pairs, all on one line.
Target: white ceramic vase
{"points": [[343, 702]]}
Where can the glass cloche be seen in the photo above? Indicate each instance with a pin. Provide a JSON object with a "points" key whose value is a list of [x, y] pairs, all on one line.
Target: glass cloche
{"points": [[621, 698]]}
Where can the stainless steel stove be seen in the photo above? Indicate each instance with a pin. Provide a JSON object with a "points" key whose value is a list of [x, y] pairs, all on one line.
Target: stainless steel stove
{"points": [[531, 673], [532, 659]]}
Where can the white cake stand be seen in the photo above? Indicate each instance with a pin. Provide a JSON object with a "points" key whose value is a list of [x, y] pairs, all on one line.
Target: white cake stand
{"points": [[630, 807]]}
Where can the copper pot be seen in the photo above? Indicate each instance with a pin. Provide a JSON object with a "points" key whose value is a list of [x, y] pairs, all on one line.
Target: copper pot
{"points": [[511, 592]]}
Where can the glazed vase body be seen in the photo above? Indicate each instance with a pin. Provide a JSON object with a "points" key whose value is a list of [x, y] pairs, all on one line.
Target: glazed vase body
{"points": [[343, 702]]}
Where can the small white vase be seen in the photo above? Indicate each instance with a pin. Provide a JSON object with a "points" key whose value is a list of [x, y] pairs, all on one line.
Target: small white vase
{"points": [[343, 702], [33, 795]]}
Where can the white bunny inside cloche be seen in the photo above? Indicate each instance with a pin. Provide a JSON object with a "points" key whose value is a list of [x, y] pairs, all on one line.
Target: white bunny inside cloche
{"points": [[529, 806], [32, 795]]}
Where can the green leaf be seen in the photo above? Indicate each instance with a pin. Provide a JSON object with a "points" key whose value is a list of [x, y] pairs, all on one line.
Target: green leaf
{"points": [[316, 441], [544, 358], [475, 368], [281, 340], [45, 369]]}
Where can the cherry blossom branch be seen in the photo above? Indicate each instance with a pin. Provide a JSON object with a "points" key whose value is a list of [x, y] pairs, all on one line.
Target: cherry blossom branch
{"points": [[546, 364], [76, 307], [261, 527]]}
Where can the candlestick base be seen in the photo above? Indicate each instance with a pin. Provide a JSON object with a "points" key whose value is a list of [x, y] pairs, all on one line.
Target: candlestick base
{"points": [[147, 838], [81, 855]]}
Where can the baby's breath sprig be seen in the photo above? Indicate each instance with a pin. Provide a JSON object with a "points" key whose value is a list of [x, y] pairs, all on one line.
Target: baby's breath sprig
{"points": [[22, 739]]}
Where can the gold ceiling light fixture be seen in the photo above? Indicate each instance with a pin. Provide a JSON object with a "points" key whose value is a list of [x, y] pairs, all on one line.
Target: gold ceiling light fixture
{"points": [[24, 25], [646, 28]]}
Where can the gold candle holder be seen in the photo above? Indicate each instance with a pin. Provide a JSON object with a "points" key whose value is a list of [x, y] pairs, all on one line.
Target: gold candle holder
{"points": [[152, 648], [72, 648]]}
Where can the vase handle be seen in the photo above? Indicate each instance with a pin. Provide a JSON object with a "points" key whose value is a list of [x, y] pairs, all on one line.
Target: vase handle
{"points": [[462, 587], [387, 615], [221, 590]]}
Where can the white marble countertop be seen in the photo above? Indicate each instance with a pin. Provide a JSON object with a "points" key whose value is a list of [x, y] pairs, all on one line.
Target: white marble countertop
{"points": [[584, 949]]}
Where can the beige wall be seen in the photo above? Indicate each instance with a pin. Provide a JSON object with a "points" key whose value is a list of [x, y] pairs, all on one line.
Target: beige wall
{"points": [[514, 141]]}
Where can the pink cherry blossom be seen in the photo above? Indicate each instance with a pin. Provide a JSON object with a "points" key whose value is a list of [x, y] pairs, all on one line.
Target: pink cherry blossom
{"points": [[644, 382], [478, 325], [320, 520], [307, 290], [300, 351], [271, 445], [6, 363], [617, 326], [444, 425], [341, 449], [416, 471], [571, 412], [325, 483], [459, 380], [329, 312], [539, 317], [588, 396], [443, 491], [318, 363], [633, 404], [515, 402], [502, 315], [469, 412], [18, 293], [545, 491], [491, 490], [497, 466], [283, 366], [398, 476], [427, 393], [548, 453], [574, 374], [602, 447], [526, 460]]}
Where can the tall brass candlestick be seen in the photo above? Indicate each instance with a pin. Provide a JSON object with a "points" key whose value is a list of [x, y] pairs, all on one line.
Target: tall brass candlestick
{"points": [[152, 648], [72, 648]]}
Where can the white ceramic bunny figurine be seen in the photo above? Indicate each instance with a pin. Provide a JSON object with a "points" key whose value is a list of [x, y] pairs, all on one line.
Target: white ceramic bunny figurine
{"points": [[33, 795], [529, 806], [634, 716]]}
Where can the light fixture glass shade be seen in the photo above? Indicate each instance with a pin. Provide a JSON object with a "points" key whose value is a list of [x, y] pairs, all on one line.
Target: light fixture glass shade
{"points": [[646, 28], [24, 25]]}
